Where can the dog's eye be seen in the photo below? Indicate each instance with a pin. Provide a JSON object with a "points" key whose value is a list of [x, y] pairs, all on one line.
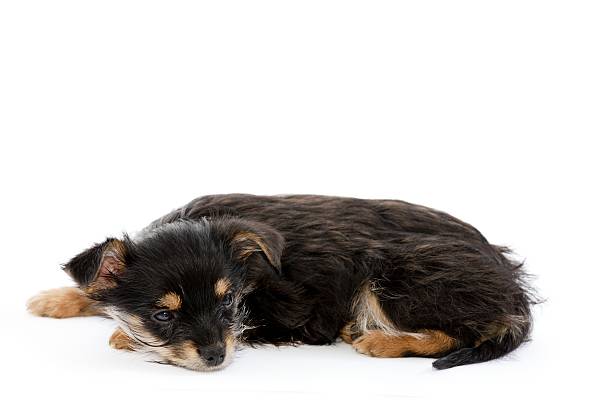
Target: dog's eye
{"points": [[163, 316], [227, 300]]}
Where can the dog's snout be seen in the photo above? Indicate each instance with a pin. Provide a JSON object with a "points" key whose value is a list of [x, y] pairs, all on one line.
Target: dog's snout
{"points": [[212, 355]]}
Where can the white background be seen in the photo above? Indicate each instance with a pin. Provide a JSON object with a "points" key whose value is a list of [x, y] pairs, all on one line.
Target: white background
{"points": [[114, 112]]}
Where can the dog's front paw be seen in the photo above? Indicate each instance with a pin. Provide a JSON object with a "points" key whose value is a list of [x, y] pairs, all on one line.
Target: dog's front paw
{"points": [[121, 341], [62, 302]]}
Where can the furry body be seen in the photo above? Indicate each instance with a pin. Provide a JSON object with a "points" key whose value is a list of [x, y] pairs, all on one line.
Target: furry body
{"points": [[392, 278]]}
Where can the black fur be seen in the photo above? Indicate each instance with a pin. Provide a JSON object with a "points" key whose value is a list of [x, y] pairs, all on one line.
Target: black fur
{"points": [[299, 279]]}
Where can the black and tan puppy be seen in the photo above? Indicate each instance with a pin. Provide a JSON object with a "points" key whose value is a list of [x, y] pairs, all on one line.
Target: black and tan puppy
{"points": [[391, 278]]}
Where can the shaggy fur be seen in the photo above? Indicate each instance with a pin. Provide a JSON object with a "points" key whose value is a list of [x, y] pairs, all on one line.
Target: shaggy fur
{"points": [[392, 278]]}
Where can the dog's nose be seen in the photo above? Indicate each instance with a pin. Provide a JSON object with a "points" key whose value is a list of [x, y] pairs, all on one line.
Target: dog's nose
{"points": [[212, 355]]}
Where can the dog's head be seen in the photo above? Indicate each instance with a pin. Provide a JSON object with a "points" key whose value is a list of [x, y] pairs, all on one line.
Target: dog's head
{"points": [[178, 290]]}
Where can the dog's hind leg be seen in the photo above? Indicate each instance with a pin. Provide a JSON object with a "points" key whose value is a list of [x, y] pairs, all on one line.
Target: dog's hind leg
{"points": [[372, 332], [425, 343], [63, 302]]}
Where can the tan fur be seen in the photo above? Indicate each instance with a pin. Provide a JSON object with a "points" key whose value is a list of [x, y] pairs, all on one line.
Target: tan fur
{"points": [[186, 355], [230, 347], [63, 302], [183, 354], [134, 327], [221, 287], [121, 341], [346, 333], [368, 315], [170, 301], [116, 249], [508, 325], [255, 244], [112, 263], [376, 343]]}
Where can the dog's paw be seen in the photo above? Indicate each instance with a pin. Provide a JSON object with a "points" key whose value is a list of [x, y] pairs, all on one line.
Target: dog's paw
{"points": [[61, 303], [121, 341], [369, 344], [349, 333], [376, 343]]}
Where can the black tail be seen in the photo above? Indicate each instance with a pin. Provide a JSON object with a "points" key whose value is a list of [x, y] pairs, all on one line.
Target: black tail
{"points": [[510, 330], [514, 331]]}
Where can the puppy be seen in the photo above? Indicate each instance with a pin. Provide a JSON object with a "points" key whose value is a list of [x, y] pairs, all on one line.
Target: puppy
{"points": [[390, 278]]}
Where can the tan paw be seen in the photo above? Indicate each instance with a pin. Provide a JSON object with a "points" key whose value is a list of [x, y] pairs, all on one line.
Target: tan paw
{"points": [[425, 343], [349, 333], [62, 303], [375, 343], [121, 341], [367, 344]]}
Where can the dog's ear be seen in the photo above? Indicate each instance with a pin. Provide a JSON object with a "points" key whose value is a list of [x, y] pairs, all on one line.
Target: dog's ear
{"points": [[250, 237], [97, 267]]}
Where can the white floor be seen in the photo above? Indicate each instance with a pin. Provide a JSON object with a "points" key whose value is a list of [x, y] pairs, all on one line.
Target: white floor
{"points": [[68, 361], [74, 353]]}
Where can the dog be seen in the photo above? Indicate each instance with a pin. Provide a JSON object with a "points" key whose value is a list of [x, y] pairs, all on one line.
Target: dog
{"points": [[390, 278]]}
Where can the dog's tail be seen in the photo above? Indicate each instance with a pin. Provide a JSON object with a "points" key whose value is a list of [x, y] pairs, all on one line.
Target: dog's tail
{"points": [[503, 335], [510, 335], [506, 332]]}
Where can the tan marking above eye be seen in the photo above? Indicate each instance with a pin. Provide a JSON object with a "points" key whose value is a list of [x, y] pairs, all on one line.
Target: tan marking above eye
{"points": [[222, 286], [170, 301]]}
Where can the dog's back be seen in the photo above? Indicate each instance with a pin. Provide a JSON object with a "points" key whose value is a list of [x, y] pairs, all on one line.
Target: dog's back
{"points": [[325, 215]]}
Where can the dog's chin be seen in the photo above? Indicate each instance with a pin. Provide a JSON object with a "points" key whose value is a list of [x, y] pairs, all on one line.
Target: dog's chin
{"points": [[197, 365], [185, 355], [190, 360]]}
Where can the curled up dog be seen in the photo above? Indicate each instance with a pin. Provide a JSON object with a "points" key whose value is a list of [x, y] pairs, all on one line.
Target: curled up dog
{"points": [[390, 278]]}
